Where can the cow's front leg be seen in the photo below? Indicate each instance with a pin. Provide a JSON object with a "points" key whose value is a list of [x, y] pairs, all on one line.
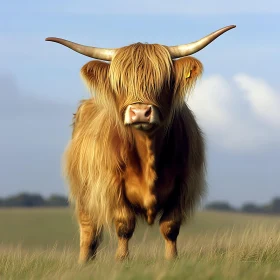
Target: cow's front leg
{"points": [[125, 225], [90, 237], [170, 224]]}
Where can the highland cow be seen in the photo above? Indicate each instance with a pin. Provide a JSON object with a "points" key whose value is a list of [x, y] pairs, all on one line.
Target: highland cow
{"points": [[136, 149]]}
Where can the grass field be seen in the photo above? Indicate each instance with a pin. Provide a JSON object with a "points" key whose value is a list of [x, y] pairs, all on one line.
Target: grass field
{"points": [[43, 244]]}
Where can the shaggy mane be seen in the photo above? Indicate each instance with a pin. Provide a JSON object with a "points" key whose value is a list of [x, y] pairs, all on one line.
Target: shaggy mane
{"points": [[95, 155]]}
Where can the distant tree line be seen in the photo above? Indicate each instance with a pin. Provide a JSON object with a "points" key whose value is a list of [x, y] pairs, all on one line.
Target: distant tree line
{"points": [[33, 200], [55, 200], [271, 208]]}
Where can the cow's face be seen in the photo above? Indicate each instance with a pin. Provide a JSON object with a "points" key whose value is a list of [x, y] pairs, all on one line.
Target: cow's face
{"points": [[141, 77], [142, 84]]}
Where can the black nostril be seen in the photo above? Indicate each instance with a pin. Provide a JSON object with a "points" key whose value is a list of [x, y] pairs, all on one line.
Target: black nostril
{"points": [[148, 112]]}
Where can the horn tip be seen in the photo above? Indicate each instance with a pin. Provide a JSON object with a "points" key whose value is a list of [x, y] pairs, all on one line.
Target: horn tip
{"points": [[49, 38]]}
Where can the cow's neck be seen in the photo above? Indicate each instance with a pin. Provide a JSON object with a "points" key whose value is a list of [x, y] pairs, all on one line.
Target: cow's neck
{"points": [[147, 148]]}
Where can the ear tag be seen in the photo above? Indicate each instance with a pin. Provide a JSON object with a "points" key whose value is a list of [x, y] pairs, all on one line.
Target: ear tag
{"points": [[188, 74]]}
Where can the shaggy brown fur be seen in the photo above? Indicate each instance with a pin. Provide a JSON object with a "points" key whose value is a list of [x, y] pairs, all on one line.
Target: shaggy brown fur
{"points": [[116, 172]]}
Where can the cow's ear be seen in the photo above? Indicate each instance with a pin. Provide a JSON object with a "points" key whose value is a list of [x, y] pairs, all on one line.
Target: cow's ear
{"points": [[187, 71], [95, 76]]}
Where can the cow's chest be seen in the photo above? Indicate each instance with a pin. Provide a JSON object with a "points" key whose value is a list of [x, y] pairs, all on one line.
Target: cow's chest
{"points": [[149, 182], [148, 190]]}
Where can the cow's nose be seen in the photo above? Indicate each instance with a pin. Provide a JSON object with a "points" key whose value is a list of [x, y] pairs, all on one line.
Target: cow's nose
{"points": [[140, 113]]}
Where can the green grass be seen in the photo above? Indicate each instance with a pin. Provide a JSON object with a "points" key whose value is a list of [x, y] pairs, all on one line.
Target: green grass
{"points": [[43, 244]]}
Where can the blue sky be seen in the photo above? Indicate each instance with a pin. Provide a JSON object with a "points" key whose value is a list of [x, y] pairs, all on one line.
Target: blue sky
{"points": [[236, 101]]}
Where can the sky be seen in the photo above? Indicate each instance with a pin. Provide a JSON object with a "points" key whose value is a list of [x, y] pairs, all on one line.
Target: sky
{"points": [[236, 102]]}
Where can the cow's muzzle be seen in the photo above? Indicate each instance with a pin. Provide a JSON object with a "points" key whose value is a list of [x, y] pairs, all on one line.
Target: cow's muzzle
{"points": [[141, 116]]}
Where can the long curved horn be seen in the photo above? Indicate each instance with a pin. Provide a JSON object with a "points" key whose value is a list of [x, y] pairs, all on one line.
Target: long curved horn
{"points": [[191, 48], [98, 53]]}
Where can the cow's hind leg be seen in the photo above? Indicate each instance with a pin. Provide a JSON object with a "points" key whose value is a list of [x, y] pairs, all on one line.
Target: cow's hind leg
{"points": [[90, 237], [125, 225], [170, 224]]}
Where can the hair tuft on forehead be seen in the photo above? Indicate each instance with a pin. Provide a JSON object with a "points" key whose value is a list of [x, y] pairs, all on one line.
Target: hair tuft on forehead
{"points": [[141, 70]]}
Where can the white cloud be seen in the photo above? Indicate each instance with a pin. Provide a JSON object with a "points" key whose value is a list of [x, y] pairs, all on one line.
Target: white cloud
{"points": [[177, 7], [264, 101], [241, 115]]}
